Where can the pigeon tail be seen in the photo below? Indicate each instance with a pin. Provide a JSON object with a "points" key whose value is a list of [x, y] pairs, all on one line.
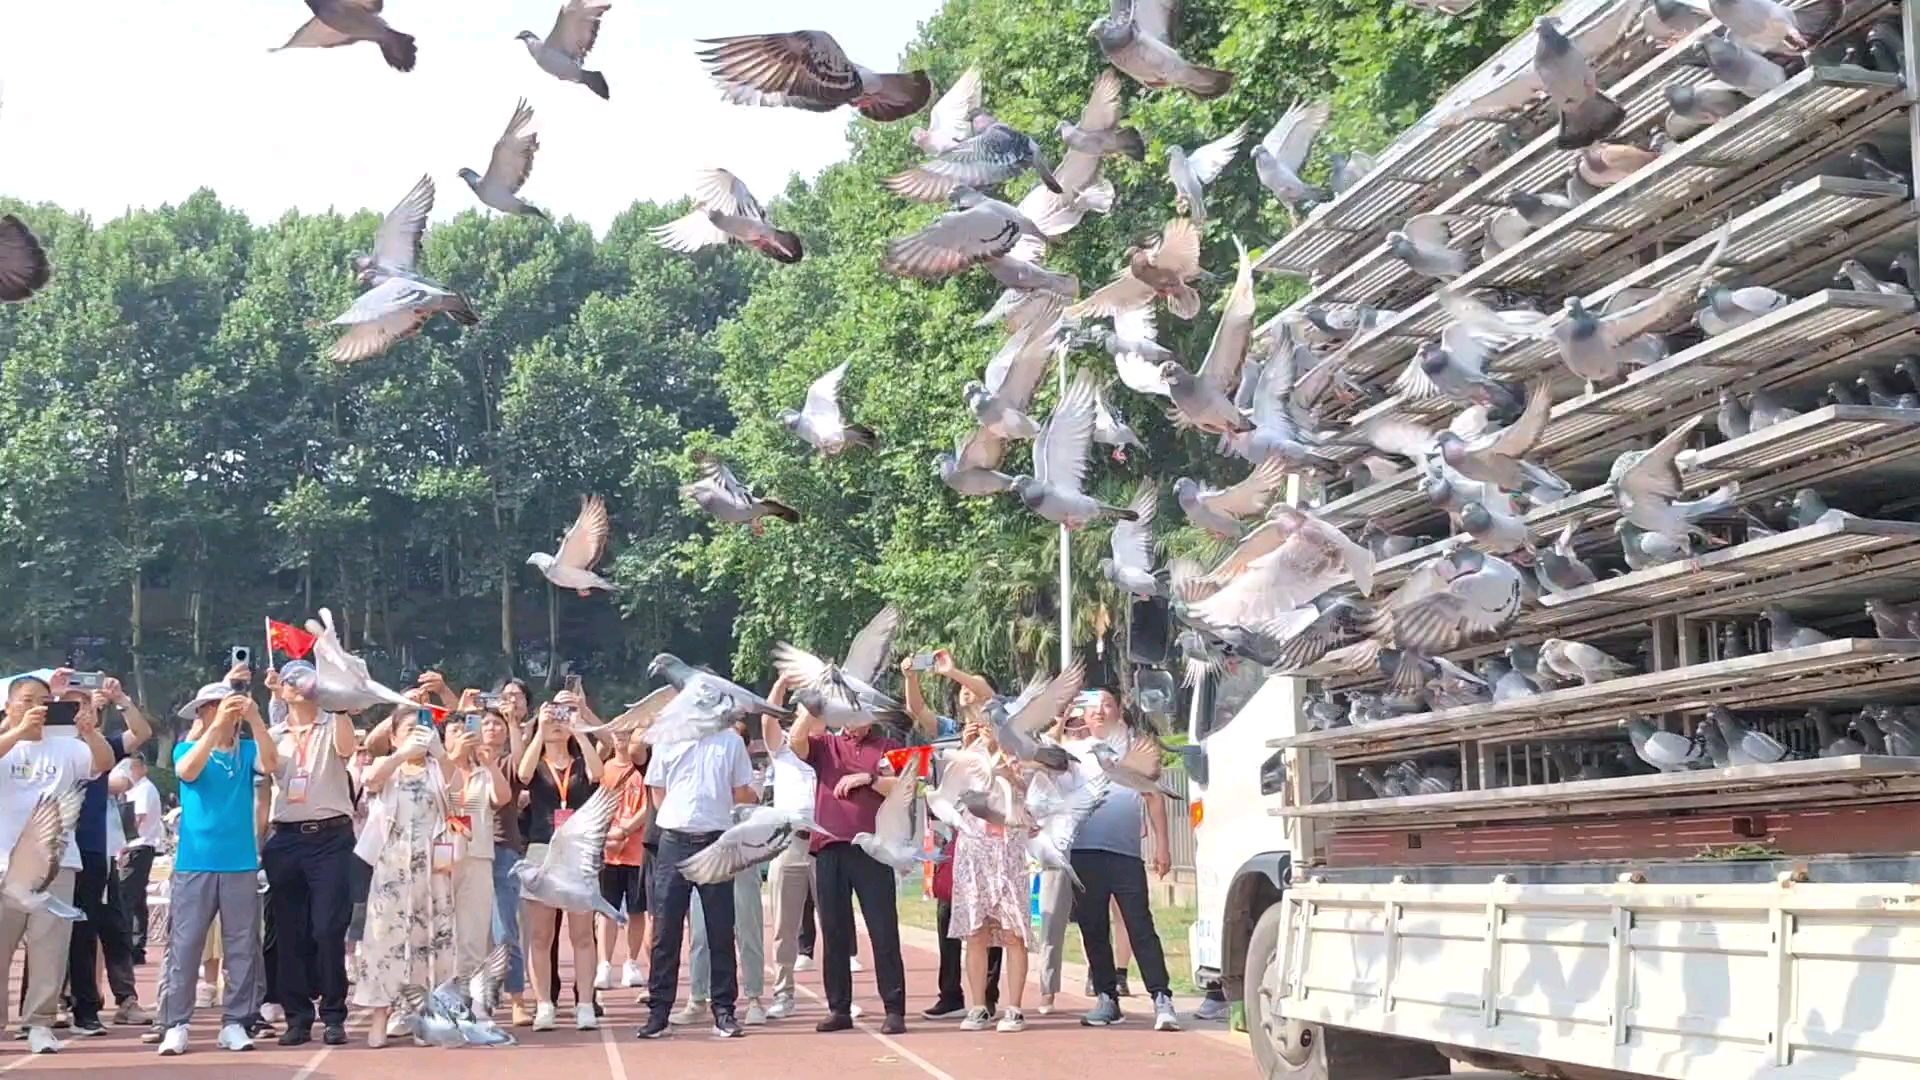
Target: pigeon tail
{"points": [[399, 50], [461, 311], [1046, 174], [894, 96], [30, 279], [1588, 122], [1206, 82], [596, 82], [1097, 196], [780, 510], [1183, 301], [1128, 141], [862, 435]]}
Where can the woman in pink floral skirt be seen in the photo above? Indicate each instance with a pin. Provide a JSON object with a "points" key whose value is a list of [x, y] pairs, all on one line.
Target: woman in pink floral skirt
{"points": [[990, 879]]}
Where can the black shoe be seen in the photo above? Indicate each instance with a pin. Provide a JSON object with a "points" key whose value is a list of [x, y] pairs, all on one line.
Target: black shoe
{"points": [[260, 1029], [945, 1010], [726, 1027], [835, 1022], [656, 1027], [334, 1035], [894, 1024], [87, 1029], [296, 1035], [1120, 985]]}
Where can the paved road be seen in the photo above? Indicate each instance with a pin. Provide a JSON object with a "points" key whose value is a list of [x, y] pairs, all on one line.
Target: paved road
{"points": [[1051, 1047]]}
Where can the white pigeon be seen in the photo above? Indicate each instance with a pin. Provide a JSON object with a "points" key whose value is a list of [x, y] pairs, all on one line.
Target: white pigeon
{"points": [[1058, 815], [950, 121], [508, 168], [342, 684], [344, 22], [961, 771], [1191, 173], [894, 841], [760, 834], [391, 312], [725, 212], [819, 422], [580, 548], [396, 247], [34, 862], [567, 877], [563, 54]]}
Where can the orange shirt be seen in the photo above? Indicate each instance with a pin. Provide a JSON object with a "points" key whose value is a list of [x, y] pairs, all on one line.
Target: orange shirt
{"points": [[628, 815]]}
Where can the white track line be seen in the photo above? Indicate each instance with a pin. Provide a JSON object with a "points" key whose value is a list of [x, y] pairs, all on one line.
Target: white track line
{"points": [[614, 1065], [313, 1063], [21, 1063], [924, 1065]]}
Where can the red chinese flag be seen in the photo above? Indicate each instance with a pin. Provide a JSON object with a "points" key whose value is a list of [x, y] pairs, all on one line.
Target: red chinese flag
{"points": [[291, 640], [921, 755]]}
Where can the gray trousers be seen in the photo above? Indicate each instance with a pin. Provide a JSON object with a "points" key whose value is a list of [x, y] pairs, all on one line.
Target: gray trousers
{"points": [[749, 932], [193, 898], [1056, 914], [47, 938], [789, 884]]}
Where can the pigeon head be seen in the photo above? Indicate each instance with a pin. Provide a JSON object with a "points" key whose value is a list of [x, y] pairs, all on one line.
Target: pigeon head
{"points": [[790, 419], [1475, 519], [472, 178], [1848, 268], [667, 666], [945, 465], [1399, 246], [1112, 31], [1552, 41], [1025, 486], [527, 36], [1681, 98], [1432, 357], [1171, 371], [540, 559], [964, 197], [974, 393], [1185, 488]]}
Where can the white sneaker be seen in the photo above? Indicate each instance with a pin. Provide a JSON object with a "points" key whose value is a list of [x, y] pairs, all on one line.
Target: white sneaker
{"points": [[203, 995], [1012, 1020], [755, 1015], [584, 1018], [804, 963], [272, 1014], [40, 1040], [854, 964], [693, 1012], [603, 976], [1046, 1005], [854, 1011], [174, 1042], [978, 1019], [543, 1016], [235, 1037], [631, 975], [781, 1009]]}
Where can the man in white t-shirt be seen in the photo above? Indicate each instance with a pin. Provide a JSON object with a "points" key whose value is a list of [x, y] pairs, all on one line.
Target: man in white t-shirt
{"points": [[137, 865], [790, 875], [38, 759]]}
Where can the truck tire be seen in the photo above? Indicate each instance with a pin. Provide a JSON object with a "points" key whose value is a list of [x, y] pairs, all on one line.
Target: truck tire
{"points": [[1291, 1050]]}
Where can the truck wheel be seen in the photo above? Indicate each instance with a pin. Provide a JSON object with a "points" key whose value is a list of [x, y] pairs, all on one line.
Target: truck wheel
{"points": [[1292, 1050]]}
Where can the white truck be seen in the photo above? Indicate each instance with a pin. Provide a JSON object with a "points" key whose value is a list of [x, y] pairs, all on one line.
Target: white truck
{"points": [[1513, 884]]}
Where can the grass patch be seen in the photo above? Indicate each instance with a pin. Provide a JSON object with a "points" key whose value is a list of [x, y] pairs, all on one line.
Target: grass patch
{"points": [[1171, 923]]}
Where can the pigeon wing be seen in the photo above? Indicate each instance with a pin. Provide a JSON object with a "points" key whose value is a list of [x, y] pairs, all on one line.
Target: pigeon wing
{"points": [[1132, 541], [1044, 700], [822, 407], [807, 66], [576, 27], [952, 243], [1116, 298], [688, 715], [1060, 453], [1517, 438], [397, 245], [1015, 371], [1291, 139], [961, 771], [1154, 18], [587, 537], [35, 859], [980, 449], [1251, 495], [690, 233], [1235, 332], [1656, 473], [24, 268], [951, 119], [720, 190], [512, 160], [893, 825], [1179, 249], [868, 653], [579, 845], [1213, 158]]}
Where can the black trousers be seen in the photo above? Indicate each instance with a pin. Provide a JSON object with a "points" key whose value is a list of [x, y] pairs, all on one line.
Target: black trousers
{"points": [[103, 932], [669, 895], [952, 985], [133, 897], [809, 926], [840, 873], [1122, 878], [309, 869]]}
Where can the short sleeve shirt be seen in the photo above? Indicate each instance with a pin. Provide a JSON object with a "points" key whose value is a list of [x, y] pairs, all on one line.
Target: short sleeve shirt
{"points": [[32, 769], [550, 791], [832, 757], [216, 812], [699, 778]]}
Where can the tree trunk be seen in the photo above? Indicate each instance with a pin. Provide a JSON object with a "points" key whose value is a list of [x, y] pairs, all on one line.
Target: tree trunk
{"points": [[137, 597], [506, 614], [553, 636]]}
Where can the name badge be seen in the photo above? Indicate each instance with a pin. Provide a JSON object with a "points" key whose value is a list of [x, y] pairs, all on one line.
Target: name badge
{"points": [[560, 816], [297, 786]]}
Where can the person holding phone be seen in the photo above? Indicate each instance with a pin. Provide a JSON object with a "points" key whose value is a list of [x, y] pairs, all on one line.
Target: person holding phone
{"points": [[104, 933], [216, 863], [477, 791], [561, 770], [501, 744]]}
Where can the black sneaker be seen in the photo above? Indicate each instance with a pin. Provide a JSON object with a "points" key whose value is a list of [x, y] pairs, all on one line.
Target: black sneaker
{"points": [[657, 1027], [298, 1035], [334, 1035], [726, 1027], [1105, 1013], [894, 1024], [88, 1029], [945, 1010], [835, 1022], [1120, 985]]}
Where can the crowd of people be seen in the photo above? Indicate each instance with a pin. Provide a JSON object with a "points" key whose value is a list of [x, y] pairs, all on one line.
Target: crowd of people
{"points": [[318, 866]]}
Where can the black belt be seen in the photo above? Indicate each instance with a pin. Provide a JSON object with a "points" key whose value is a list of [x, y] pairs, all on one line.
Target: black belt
{"points": [[323, 825], [689, 837]]}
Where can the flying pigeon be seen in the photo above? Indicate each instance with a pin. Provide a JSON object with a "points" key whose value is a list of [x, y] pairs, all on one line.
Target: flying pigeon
{"points": [[391, 312], [1192, 174], [964, 773], [1646, 485], [509, 167], [1138, 768], [843, 694], [995, 154], [1162, 271], [757, 835], [1425, 244], [950, 121], [1098, 134], [580, 548], [1220, 510], [1130, 567], [343, 22], [819, 422], [894, 840], [670, 726], [396, 247], [1202, 401], [1586, 114], [1017, 725], [563, 54], [1283, 153], [24, 269], [976, 230], [567, 877], [1058, 815], [973, 469], [725, 212], [1272, 578], [1000, 402], [340, 680], [1055, 490], [721, 494], [1135, 36], [807, 69], [1466, 595], [1110, 430], [34, 862]]}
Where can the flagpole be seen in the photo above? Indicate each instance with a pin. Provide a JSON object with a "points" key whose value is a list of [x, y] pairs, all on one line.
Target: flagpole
{"points": [[268, 621], [1066, 537]]}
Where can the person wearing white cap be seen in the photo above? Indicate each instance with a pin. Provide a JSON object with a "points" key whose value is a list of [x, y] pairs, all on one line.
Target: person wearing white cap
{"points": [[216, 864]]}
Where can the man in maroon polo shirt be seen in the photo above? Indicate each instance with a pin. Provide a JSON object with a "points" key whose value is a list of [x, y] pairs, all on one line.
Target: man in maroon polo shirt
{"points": [[853, 780]]}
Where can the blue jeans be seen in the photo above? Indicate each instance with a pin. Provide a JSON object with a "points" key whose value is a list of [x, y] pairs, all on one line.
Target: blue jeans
{"points": [[506, 917]]}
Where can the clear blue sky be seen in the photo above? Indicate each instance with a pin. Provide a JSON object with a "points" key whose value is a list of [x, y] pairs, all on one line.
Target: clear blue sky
{"points": [[112, 104]]}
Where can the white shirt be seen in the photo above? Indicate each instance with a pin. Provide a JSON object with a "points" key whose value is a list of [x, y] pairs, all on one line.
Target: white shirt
{"points": [[147, 814], [699, 778], [793, 782], [32, 769]]}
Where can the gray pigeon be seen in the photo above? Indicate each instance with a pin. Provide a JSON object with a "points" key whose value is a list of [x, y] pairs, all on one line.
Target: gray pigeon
{"points": [[1745, 746], [509, 167], [1664, 750], [1808, 508], [1586, 114], [585, 541], [1667, 21], [725, 212], [563, 54], [1202, 401], [819, 422], [1732, 418], [34, 862], [1578, 660], [1017, 725], [1835, 741], [1764, 410], [1220, 511], [973, 469], [567, 877], [1130, 568], [758, 834], [1282, 155], [1425, 244], [1768, 26], [721, 494], [1644, 549], [1191, 174], [994, 155], [1494, 529], [683, 677], [1855, 275], [976, 231], [344, 22], [1346, 170], [1136, 37], [1783, 633], [844, 694], [807, 69], [1697, 107], [1560, 568], [391, 312], [396, 247], [1894, 621], [1740, 67], [1646, 486], [1727, 309], [1057, 814], [1110, 430], [1060, 463]]}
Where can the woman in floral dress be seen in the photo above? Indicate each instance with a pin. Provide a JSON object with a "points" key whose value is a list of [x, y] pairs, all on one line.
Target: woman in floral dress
{"points": [[990, 886], [409, 932]]}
